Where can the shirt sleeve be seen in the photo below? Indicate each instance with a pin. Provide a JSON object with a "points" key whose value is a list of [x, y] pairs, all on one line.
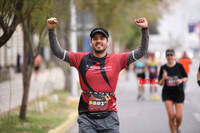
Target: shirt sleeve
{"points": [[74, 59], [160, 73], [123, 58], [142, 50], [57, 50]]}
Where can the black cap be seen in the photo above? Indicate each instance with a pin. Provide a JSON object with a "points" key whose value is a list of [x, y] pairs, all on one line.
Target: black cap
{"points": [[170, 52], [99, 30]]}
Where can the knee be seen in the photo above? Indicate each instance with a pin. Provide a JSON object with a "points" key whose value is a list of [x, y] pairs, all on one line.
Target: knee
{"points": [[172, 117], [179, 116], [140, 86]]}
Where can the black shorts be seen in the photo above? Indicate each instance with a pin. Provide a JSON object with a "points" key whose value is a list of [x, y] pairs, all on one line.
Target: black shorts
{"points": [[177, 96], [151, 76], [142, 75]]}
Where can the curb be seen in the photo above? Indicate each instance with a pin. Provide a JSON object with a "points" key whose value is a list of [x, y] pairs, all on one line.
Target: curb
{"points": [[65, 126]]}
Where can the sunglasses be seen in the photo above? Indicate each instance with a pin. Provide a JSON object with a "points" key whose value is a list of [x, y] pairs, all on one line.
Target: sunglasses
{"points": [[169, 55]]}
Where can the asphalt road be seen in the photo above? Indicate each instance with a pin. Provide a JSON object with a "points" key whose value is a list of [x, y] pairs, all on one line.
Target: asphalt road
{"points": [[150, 116]]}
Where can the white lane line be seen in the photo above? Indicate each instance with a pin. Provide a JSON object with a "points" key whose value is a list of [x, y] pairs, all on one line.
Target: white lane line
{"points": [[197, 116]]}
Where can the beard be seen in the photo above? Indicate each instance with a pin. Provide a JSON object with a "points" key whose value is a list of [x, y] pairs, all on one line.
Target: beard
{"points": [[99, 51]]}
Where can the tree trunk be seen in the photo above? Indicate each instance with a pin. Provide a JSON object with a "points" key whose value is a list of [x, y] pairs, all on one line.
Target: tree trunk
{"points": [[27, 72]]}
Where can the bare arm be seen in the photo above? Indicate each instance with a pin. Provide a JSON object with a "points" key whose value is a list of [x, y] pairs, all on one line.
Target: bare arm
{"points": [[179, 81], [161, 81], [198, 77], [164, 77]]}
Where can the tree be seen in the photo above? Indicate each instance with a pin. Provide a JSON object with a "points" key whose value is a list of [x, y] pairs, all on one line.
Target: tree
{"points": [[118, 16], [9, 18], [33, 19], [32, 16]]}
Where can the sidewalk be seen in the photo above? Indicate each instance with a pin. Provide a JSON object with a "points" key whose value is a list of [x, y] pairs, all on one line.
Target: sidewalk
{"points": [[11, 91]]}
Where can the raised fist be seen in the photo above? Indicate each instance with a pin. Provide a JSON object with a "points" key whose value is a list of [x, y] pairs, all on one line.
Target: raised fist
{"points": [[52, 22], [141, 22]]}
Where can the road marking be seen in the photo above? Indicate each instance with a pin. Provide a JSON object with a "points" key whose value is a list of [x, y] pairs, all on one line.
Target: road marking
{"points": [[197, 116]]}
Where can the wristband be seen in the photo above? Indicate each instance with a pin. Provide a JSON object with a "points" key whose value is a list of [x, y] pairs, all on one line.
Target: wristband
{"points": [[198, 82]]}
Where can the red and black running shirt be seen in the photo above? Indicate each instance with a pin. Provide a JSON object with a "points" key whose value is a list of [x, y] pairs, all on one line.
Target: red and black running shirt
{"points": [[99, 74]]}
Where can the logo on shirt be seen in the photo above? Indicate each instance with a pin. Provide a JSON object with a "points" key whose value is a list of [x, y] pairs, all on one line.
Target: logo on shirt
{"points": [[98, 68]]}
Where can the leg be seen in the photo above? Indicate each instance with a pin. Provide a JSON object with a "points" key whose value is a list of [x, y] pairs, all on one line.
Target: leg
{"points": [[86, 130], [179, 114], [156, 92], [171, 115], [154, 89], [86, 125], [111, 124], [151, 92], [110, 131], [151, 89], [142, 88], [140, 82]]}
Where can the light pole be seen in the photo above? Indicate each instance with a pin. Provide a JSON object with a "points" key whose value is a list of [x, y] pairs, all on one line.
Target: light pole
{"points": [[73, 45]]}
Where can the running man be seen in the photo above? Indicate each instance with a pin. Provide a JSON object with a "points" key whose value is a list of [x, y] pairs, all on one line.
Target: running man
{"points": [[98, 74], [173, 75], [152, 64]]}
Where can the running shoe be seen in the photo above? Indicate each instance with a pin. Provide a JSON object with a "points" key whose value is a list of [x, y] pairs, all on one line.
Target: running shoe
{"points": [[151, 98], [157, 97]]}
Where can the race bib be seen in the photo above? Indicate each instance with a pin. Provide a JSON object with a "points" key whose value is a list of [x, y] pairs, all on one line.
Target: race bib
{"points": [[152, 70], [171, 81], [98, 102]]}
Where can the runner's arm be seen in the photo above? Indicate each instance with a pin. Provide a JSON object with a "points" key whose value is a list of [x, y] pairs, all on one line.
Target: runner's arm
{"points": [[141, 51], [161, 82], [198, 76], [56, 48], [161, 78]]}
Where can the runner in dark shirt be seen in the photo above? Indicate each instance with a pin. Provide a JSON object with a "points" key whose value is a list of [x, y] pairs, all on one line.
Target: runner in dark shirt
{"points": [[98, 74], [173, 75]]}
